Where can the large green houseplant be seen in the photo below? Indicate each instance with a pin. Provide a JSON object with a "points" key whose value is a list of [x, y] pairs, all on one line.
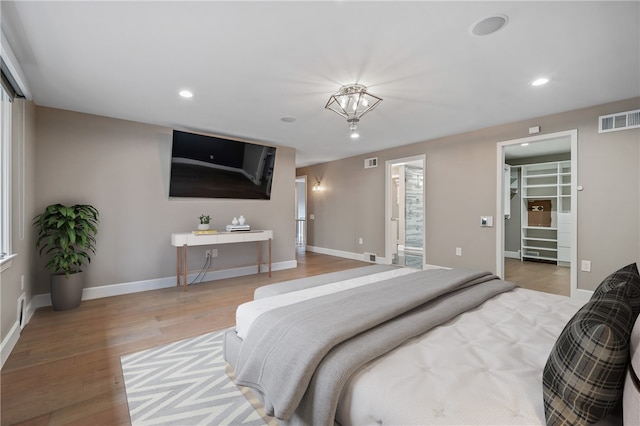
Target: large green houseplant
{"points": [[66, 234]]}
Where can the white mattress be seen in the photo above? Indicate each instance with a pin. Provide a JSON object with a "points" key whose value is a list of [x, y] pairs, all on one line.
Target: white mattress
{"points": [[248, 312], [482, 368]]}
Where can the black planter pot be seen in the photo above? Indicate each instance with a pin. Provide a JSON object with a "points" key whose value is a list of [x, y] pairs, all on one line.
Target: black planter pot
{"points": [[66, 292]]}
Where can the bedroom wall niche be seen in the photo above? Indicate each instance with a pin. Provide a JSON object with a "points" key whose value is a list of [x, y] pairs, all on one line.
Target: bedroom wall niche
{"points": [[538, 197], [405, 208]]}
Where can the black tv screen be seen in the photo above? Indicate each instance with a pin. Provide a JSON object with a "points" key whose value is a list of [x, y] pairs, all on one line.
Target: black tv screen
{"points": [[210, 167]]}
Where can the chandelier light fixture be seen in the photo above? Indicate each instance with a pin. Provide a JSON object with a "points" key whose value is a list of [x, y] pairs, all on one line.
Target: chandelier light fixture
{"points": [[352, 102]]}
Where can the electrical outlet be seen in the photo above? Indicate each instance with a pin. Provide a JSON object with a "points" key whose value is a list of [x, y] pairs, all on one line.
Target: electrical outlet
{"points": [[207, 254], [360, 240]]}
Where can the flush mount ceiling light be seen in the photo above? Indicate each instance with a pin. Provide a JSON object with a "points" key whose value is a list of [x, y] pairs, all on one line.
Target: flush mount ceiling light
{"points": [[186, 94], [489, 25], [352, 102], [540, 81]]}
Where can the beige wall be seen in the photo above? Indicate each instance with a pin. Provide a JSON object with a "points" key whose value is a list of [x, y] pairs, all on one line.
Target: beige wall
{"points": [[122, 168], [461, 174], [22, 179]]}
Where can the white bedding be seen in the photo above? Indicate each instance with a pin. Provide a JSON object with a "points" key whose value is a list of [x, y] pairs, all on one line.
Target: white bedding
{"points": [[482, 368], [248, 312]]}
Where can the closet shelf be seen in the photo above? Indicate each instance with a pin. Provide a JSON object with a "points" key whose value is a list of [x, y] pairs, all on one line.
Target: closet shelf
{"points": [[532, 256], [551, 240], [541, 248], [546, 185], [541, 175]]}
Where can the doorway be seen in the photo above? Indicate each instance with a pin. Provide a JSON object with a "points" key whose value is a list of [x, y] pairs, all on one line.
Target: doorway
{"points": [[405, 212], [537, 235]]}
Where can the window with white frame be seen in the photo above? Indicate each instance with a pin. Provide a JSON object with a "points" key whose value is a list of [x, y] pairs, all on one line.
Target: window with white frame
{"points": [[5, 174]]}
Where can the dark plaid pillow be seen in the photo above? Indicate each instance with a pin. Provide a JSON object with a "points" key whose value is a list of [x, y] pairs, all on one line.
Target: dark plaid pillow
{"points": [[627, 277], [583, 378]]}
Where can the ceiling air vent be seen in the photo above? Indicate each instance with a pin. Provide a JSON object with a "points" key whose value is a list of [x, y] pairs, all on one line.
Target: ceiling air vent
{"points": [[371, 162], [619, 121]]}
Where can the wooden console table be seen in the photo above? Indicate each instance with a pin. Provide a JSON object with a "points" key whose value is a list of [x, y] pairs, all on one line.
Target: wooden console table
{"points": [[185, 239]]}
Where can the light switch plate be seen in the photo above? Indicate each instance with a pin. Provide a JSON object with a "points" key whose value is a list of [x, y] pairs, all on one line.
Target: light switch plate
{"points": [[486, 221]]}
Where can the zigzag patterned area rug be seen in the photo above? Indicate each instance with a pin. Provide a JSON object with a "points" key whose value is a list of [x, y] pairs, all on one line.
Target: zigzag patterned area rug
{"points": [[186, 383]]}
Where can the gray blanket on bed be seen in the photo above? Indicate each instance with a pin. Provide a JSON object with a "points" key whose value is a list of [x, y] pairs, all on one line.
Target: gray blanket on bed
{"points": [[298, 357]]}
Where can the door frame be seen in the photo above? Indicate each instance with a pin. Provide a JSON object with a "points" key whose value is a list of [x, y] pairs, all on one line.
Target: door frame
{"points": [[301, 179], [388, 231], [573, 135]]}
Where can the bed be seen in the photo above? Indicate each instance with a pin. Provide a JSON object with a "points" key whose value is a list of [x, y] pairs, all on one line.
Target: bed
{"points": [[387, 345]]}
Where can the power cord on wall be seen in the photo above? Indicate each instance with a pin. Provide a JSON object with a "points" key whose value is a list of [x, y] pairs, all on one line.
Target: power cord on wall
{"points": [[203, 271]]}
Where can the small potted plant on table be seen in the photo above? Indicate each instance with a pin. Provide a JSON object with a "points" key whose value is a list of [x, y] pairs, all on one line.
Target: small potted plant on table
{"points": [[204, 223]]}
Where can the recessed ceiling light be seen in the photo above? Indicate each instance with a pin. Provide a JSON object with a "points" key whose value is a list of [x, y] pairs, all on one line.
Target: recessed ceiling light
{"points": [[288, 119], [186, 94], [524, 144], [540, 81], [488, 25], [355, 135]]}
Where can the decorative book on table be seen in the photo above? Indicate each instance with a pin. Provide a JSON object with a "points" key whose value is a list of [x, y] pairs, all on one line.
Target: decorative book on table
{"points": [[238, 228], [205, 232]]}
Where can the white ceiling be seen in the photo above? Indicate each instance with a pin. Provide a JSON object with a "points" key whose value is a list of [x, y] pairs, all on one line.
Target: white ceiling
{"points": [[252, 63], [538, 148]]}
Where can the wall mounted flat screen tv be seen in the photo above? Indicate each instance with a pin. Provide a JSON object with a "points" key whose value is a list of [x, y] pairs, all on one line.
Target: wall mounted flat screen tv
{"points": [[210, 167]]}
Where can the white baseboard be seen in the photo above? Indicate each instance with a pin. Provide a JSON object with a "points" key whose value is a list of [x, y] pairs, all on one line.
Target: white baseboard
{"points": [[428, 266], [39, 301], [347, 254], [42, 300], [512, 254], [9, 342], [158, 283], [581, 294]]}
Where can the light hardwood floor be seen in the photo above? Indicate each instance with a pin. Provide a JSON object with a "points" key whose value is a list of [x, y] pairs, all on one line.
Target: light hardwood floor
{"points": [[546, 277], [65, 368]]}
